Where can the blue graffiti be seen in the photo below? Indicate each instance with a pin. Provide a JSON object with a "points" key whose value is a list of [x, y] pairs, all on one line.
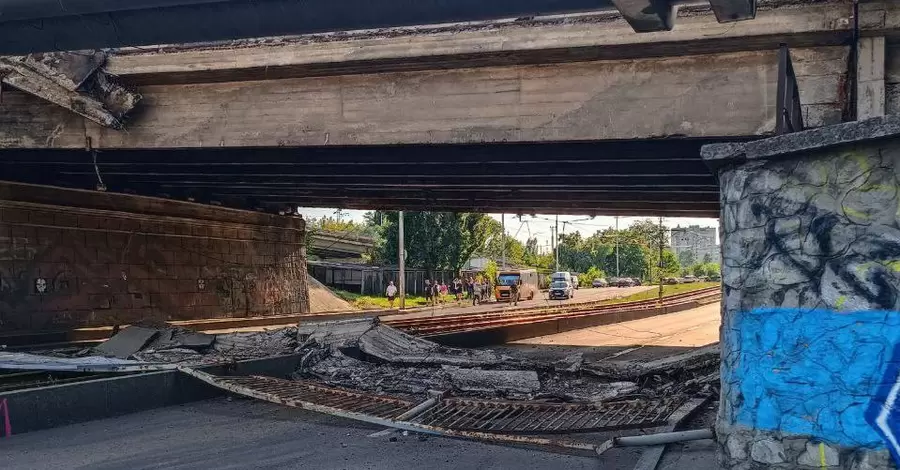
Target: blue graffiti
{"points": [[818, 373]]}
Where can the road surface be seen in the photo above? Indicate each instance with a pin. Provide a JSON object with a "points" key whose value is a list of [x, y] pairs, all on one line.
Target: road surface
{"points": [[245, 434], [249, 434], [581, 295], [646, 339]]}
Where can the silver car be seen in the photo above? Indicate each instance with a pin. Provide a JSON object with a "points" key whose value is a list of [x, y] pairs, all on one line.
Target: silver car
{"points": [[561, 290]]}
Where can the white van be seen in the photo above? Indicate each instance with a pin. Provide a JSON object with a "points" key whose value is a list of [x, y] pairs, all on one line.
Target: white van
{"points": [[561, 276]]}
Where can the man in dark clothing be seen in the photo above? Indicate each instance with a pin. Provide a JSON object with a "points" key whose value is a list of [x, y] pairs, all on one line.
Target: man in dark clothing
{"points": [[514, 292], [427, 292]]}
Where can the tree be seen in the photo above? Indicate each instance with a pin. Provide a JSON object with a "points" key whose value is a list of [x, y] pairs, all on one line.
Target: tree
{"points": [[490, 271], [433, 240], [687, 258], [708, 258], [590, 275], [670, 266]]}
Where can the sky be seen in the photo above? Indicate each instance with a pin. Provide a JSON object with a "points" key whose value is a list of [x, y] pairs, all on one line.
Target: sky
{"points": [[540, 225]]}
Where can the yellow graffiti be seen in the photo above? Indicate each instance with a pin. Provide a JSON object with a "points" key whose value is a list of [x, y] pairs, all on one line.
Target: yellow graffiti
{"points": [[840, 302], [855, 213], [822, 460]]}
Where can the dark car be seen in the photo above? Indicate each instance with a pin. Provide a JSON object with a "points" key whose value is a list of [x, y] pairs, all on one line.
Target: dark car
{"points": [[671, 280], [599, 282], [561, 290], [626, 282]]}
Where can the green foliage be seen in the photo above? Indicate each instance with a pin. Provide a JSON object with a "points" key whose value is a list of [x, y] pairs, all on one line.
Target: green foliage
{"points": [[434, 240], [490, 271], [711, 270], [592, 273], [687, 258]]}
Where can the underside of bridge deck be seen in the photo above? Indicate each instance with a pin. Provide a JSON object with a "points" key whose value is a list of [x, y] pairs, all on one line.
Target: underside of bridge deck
{"points": [[652, 177]]}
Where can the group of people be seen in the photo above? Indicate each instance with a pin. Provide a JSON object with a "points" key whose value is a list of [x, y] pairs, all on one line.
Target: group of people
{"points": [[475, 288]]}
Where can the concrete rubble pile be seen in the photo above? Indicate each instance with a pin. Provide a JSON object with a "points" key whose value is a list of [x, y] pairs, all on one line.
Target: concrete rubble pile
{"points": [[366, 355], [162, 343]]}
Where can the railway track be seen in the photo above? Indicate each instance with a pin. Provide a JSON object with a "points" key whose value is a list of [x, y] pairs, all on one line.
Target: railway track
{"points": [[471, 322]]}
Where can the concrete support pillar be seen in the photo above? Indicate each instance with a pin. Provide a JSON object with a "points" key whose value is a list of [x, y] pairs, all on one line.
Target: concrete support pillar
{"points": [[72, 258], [810, 227], [870, 86]]}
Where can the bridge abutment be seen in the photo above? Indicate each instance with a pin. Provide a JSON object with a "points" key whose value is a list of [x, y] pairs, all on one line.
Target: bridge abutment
{"points": [[72, 258], [811, 304]]}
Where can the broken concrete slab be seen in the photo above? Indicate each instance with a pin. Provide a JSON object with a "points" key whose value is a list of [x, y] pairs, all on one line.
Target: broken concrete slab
{"points": [[335, 333], [393, 345], [127, 342], [25, 361], [478, 380], [74, 81], [631, 370]]}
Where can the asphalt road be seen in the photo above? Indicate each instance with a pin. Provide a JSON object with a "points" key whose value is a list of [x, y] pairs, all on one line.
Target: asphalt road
{"points": [[248, 434], [581, 295]]}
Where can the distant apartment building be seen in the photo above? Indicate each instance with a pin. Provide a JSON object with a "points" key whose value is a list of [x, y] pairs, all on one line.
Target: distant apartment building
{"points": [[695, 243]]}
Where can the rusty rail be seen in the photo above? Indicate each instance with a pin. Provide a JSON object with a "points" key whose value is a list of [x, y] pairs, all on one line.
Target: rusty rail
{"points": [[478, 321]]}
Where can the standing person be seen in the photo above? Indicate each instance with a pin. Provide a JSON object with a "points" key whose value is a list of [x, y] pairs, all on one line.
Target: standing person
{"points": [[427, 292], [476, 291], [391, 293], [514, 292], [457, 289], [470, 284]]}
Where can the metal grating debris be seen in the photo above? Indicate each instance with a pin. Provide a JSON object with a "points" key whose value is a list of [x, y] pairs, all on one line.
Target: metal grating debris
{"points": [[309, 395], [540, 418], [455, 414]]}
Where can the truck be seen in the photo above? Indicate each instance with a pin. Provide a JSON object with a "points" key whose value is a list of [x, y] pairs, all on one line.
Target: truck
{"points": [[526, 279]]}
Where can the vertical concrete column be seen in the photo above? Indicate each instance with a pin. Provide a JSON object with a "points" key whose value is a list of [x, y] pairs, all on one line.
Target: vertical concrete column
{"points": [[811, 302], [870, 78]]}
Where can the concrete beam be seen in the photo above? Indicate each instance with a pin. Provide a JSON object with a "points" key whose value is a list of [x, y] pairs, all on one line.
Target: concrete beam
{"points": [[697, 96], [601, 37], [733, 10], [647, 15]]}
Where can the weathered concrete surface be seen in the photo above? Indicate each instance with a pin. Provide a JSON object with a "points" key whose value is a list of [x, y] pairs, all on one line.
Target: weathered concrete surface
{"points": [[811, 242], [71, 258], [605, 36], [703, 95]]}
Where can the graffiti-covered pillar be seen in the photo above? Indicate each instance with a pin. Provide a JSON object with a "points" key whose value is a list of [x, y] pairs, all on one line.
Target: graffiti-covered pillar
{"points": [[810, 228]]}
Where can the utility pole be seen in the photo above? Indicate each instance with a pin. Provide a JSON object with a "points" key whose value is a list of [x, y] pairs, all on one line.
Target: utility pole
{"points": [[402, 251], [617, 246], [556, 232], [503, 239], [661, 245]]}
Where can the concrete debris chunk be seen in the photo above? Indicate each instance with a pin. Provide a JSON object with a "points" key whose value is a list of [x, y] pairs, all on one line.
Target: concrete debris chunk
{"points": [[632, 370], [478, 380], [152, 338], [395, 346], [25, 361], [335, 333], [127, 342]]}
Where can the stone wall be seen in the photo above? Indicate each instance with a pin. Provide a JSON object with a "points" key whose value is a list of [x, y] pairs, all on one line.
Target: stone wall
{"points": [[71, 258], [811, 305]]}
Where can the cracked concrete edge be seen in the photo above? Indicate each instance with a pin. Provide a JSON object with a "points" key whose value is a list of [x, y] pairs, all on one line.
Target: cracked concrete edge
{"points": [[849, 133]]}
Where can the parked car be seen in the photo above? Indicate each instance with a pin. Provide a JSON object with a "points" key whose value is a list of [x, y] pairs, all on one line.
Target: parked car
{"points": [[689, 279], [637, 281], [575, 282], [599, 282], [671, 280], [561, 290], [626, 282]]}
